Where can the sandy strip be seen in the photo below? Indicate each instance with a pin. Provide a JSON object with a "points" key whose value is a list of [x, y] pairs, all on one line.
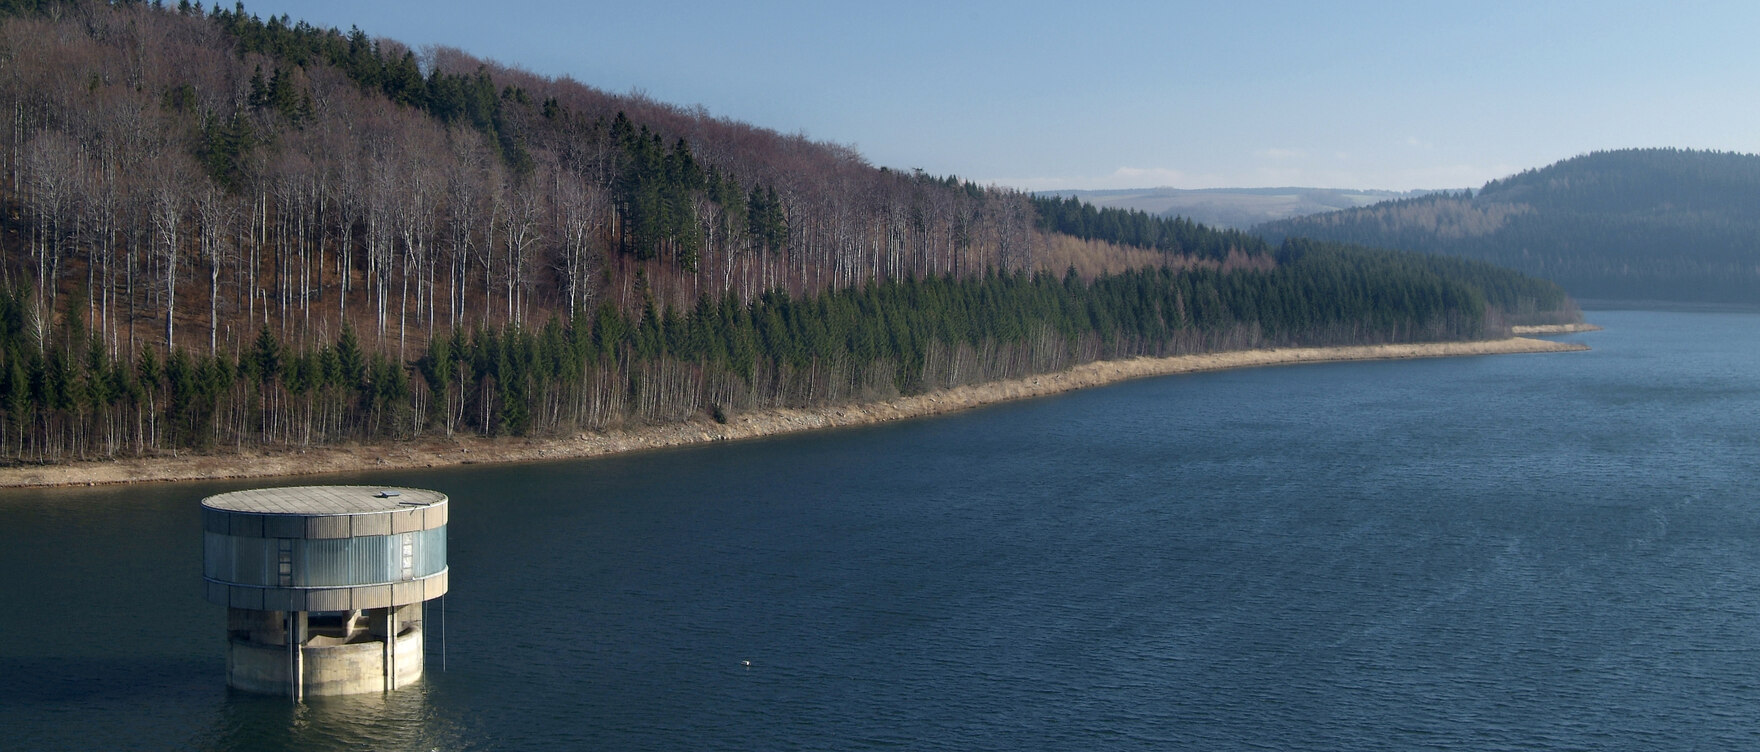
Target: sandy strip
{"points": [[470, 450], [1553, 329]]}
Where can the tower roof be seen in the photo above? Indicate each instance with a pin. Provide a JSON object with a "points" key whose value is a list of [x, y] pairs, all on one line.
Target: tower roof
{"points": [[324, 501]]}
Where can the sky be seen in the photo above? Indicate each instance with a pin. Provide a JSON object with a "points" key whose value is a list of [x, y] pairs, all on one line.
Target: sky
{"points": [[1395, 95]]}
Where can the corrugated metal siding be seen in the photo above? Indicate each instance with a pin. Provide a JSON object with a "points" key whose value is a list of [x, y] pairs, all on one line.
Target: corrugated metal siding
{"points": [[346, 561], [430, 551], [230, 558], [331, 562]]}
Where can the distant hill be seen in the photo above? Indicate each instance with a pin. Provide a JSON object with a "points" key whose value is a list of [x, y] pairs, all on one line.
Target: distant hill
{"points": [[1238, 208], [1664, 225]]}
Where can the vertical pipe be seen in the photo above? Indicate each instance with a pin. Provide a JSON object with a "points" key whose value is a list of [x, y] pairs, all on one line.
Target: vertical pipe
{"points": [[390, 648], [299, 655]]}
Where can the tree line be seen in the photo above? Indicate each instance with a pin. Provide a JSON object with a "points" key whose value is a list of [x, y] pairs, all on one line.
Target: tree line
{"points": [[1134, 227], [64, 397]]}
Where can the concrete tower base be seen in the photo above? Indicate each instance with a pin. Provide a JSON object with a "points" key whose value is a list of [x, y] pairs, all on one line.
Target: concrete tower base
{"points": [[329, 661]]}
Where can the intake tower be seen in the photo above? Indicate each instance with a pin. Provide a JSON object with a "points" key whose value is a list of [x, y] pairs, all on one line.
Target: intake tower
{"points": [[324, 585]]}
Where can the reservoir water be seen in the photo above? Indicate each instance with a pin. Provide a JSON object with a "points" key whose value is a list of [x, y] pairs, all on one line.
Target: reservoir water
{"points": [[1557, 551]]}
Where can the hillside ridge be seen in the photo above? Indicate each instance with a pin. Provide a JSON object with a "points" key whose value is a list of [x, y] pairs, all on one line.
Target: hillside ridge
{"points": [[1672, 225], [1232, 208], [226, 233]]}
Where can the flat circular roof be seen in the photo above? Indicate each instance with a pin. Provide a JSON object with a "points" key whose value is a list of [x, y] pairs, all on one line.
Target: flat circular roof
{"points": [[324, 501]]}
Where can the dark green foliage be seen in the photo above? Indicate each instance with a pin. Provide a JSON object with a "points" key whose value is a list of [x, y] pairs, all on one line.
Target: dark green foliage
{"points": [[1073, 216], [266, 356], [765, 220], [279, 95], [654, 189], [222, 146], [472, 99], [180, 98], [32, 7], [351, 366]]}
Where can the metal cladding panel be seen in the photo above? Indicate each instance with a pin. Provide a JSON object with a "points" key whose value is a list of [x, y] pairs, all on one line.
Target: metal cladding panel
{"points": [[434, 516], [406, 522], [218, 555], [216, 521], [245, 525], [407, 592], [436, 586], [339, 562], [251, 598], [372, 597], [284, 526], [217, 592], [430, 551], [248, 561], [372, 524], [322, 562], [327, 527], [328, 600], [283, 600]]}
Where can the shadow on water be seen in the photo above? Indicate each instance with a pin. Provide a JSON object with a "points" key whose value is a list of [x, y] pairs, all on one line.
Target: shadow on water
{"points": [[401, 720], [121, 703]]}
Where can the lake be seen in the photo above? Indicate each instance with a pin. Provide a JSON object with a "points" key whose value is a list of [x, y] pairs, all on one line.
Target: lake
{"points": [[1545, 551]]}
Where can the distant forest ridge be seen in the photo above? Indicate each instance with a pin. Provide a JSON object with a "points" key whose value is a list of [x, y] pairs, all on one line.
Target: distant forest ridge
{"points": [[1631, 225], [227, 231], [1233, 208]]}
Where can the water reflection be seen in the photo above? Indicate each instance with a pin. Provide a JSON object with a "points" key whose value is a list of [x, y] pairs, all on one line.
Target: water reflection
{"points": [[401, 720]]}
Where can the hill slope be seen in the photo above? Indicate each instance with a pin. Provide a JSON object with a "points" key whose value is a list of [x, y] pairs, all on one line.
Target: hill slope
{"points": [[1630, 225], [222, 231], [1237, 208]]}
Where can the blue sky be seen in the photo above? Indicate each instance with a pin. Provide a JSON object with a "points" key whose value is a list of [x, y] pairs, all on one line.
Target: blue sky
{"points": [[1039, 95]]}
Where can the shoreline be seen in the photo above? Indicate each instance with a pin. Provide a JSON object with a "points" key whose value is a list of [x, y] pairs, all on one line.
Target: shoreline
{"points": [[467, 450], [1553, 329]]}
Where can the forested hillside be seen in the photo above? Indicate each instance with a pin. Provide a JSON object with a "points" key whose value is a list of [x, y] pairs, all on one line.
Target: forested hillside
{"points": [[1231, 208], [224, 231], [1634, 225]]}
